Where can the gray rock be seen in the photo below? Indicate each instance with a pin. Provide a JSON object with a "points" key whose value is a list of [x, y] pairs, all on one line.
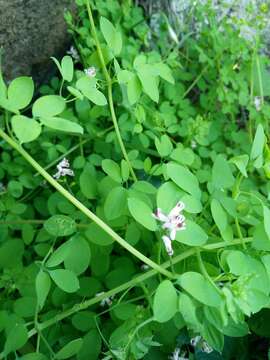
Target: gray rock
{"points": [[30, 32]]}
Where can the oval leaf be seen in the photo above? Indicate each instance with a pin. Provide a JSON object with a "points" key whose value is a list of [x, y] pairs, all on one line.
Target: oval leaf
{"points": [[142, 213], [70, 349], [165, 302], [26, 129], [66, 280]]}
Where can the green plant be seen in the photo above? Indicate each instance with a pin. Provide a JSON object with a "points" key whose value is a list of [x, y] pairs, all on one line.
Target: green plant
{"points": [[146, 125]]}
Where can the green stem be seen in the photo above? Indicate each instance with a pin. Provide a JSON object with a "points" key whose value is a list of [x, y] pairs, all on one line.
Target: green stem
{"points": [[109, 84], [239, 232], [131, 283], [83, 208]]}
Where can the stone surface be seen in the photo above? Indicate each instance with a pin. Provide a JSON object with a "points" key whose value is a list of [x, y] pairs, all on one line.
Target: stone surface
{"points": [[30, 32]]}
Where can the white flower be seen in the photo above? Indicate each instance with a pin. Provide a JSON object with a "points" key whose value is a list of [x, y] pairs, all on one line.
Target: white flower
{"points": [[174, 221], [107, 301], [206, 347], [91, 71], [73, 53], [63, 169], [144, 267], [168, 244], [177, 356], [193, 144], [194, 341], [258, 103]]}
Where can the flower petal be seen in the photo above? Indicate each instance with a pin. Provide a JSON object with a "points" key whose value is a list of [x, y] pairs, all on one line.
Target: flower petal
{"points": [[177, 209], [168, 245]]}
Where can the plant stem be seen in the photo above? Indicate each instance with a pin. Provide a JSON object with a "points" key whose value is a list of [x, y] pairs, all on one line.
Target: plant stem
{"points": [[83, 208], [137, 280], [109, 84]]}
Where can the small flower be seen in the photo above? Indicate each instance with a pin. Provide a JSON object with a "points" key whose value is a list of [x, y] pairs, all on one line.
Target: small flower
{"points": [[258, 103], [168, 245], [73, 53], [63, 169], [194, 341], [107, 301], [176, 355], [144, 267], [91, 71], [193, 144], [174, 221], [206, 347]]}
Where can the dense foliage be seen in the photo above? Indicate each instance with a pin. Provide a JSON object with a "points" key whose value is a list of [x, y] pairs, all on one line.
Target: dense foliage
{"points": [[134, 199]]}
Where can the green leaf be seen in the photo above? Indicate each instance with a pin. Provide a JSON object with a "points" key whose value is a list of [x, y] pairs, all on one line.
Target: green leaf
{"points": [[182, 177], [142, 213], [164, 72], [149, 82], [66, 280], [266, 220], [193, 235], [6, 104], [25, 129], [213, 336], [124, 76], [20, 92], [88, 182], [168, 195], [78, 255], [43, 285], [111, 35], [67, 68], [163, 145], [241, 162], [134, 90], [70, 349], [59, 255], [115, 203], [34, 356], [192, 205], [222, 176], [200, 288], [96, 235], [48, 106], [75, 92], [165, 302], [188, 309], [124, 170], [91, 346], [183, 156], [60, 124], [60, 225], [16, 338], [88, 87], [219, 215], [236, 330], [112, 169], [261, 241], [256, 153]]}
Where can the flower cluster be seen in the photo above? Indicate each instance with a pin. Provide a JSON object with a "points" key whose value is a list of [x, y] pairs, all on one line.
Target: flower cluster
{"points": [[172, 223], [91, 71], [63, 169]]}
